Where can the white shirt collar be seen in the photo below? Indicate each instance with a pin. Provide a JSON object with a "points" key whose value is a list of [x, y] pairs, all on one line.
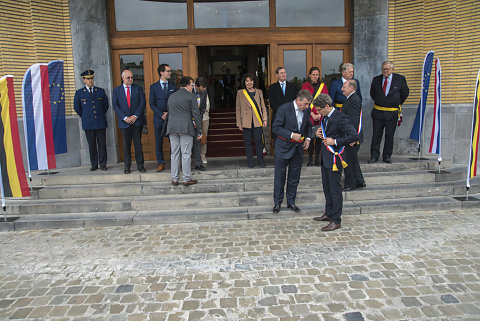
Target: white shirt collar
{"points": [[331, 112], [343, 79], [350, 94]]}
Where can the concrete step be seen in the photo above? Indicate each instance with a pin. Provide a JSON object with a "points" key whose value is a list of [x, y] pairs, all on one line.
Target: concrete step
{"points": [[212, 196], [171, 216], [210, 183]]}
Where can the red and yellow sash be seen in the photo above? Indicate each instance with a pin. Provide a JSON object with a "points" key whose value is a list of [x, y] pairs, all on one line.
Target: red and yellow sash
{"points": [[254, 108], [319, 91]]}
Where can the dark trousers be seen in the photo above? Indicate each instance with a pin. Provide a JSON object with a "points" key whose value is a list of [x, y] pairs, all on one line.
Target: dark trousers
{"points": [[254, 133], [294, 165], [332, 189], [315, 145], [379, 124], [353, 173], [158, 125], [196, 152], [132, 133], [97, 146]]}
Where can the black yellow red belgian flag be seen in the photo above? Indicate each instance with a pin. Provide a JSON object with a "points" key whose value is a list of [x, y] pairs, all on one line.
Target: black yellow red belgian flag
{"points": [[12, 171]]}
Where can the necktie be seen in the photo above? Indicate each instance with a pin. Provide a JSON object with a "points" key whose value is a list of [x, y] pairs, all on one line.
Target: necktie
{"points": [[128, 96], [165, 87], [90, 91], [283, 88], [325, 123], [299, 118], [385, 86]]}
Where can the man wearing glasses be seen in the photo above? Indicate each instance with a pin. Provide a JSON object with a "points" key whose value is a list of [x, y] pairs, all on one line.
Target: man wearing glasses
{"points": [[129, 104], [184, 123], [159, 93]]}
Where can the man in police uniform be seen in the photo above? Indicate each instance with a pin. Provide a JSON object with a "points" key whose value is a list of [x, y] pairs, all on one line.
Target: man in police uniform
{"points": [[91, 104]]}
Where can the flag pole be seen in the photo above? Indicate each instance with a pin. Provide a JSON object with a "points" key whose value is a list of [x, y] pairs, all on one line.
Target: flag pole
{"points": [[472, 160], [25, 132], [4, 207]]}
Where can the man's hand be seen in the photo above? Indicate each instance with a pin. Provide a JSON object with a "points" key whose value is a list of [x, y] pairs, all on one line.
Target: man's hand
{"points": [[352, 143], [296, 137], [241, 128], [329, 141], [164, 115], [199, 137], [319, 133], [306, 143]]}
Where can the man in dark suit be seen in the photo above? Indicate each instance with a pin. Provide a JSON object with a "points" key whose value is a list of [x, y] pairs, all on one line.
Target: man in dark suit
{"points": [[336, 131], [389, 91], [200, 91], [129, 104], [336, 93], [159, 93], [229, 88], [91, 104], [352, 107], [280, 92], [184, 123], [293, 129]]}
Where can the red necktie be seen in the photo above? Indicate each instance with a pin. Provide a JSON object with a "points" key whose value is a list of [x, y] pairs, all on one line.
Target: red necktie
{"points": [[385, 86], [128, 96]]}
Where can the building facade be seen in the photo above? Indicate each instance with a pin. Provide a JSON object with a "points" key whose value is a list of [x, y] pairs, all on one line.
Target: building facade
{"points": [[211, 39]]}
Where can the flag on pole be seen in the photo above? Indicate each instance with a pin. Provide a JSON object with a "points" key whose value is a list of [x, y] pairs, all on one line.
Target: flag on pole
{"points": [[57, 105], [44, 114], [12, 172], [416, 133], [435, 141], [472, 163]]}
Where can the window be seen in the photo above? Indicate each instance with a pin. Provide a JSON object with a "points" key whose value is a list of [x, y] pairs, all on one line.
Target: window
{"points": [[310, 13]]}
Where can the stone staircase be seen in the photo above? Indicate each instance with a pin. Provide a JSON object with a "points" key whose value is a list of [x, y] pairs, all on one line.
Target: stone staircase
{"points": [[228, 190]]}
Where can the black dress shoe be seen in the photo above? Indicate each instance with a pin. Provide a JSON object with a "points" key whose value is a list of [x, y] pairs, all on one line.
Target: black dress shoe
{"points": [[309, 164], [126, 171], [104, 168], [361, 185], [93, 168], [372, 160], [293, 207], [348, 189], [200, 168], [276, 208], [142, 170], [262, 165], [387, 160]]}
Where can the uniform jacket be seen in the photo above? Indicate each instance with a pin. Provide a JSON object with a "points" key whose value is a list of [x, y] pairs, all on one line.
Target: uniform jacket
{"points": [[137, 105], [284, 125], [182, 112], [245, 114], [92, 108]]}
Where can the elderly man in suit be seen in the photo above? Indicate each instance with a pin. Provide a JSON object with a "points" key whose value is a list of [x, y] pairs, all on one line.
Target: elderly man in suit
{"points": [[184, 123], [159, 93], [293, 129], [129, 104], [352, 107], [336, 93], [389, 91], [280, 92], [336, 131], [91, 104]]}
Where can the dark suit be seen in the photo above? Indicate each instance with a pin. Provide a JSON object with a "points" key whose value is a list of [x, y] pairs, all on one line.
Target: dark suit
{"points": [[92, 108], [130, 131], [158, 103], [386, 119], [288, 154], [353, 174], [277, 98], [339, 128], [336, 91], [197, 145], [229, 89]]}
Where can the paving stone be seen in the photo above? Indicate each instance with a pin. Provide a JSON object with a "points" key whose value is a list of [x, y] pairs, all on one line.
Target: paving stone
{"points": [[289, 289], [353, 316], [448, 298], [268, 301], [411, 301], [126, 288]]}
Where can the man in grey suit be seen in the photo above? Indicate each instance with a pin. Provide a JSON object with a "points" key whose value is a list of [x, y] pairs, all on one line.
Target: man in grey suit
{"points": [[184, 123]]}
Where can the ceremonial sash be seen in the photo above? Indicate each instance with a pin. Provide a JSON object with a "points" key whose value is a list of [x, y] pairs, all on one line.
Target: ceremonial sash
{"points": [[338, 105], [331, 150], [399, 109], [293, 141], [319, 90], [254, 108]]}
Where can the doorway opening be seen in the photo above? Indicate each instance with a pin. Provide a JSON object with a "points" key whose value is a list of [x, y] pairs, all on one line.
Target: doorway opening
{"points": [[224, 67]]}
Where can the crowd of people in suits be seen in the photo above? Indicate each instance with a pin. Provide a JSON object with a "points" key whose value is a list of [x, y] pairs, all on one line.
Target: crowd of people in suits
{"points": [[328, 124]]}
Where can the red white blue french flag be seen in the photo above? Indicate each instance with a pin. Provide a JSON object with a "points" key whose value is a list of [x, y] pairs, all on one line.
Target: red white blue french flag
{"points": [[435, 139], [44, 114]]}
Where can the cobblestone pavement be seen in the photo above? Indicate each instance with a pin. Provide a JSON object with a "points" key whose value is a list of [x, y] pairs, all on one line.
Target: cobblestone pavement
{"points": [[399, 266]]}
